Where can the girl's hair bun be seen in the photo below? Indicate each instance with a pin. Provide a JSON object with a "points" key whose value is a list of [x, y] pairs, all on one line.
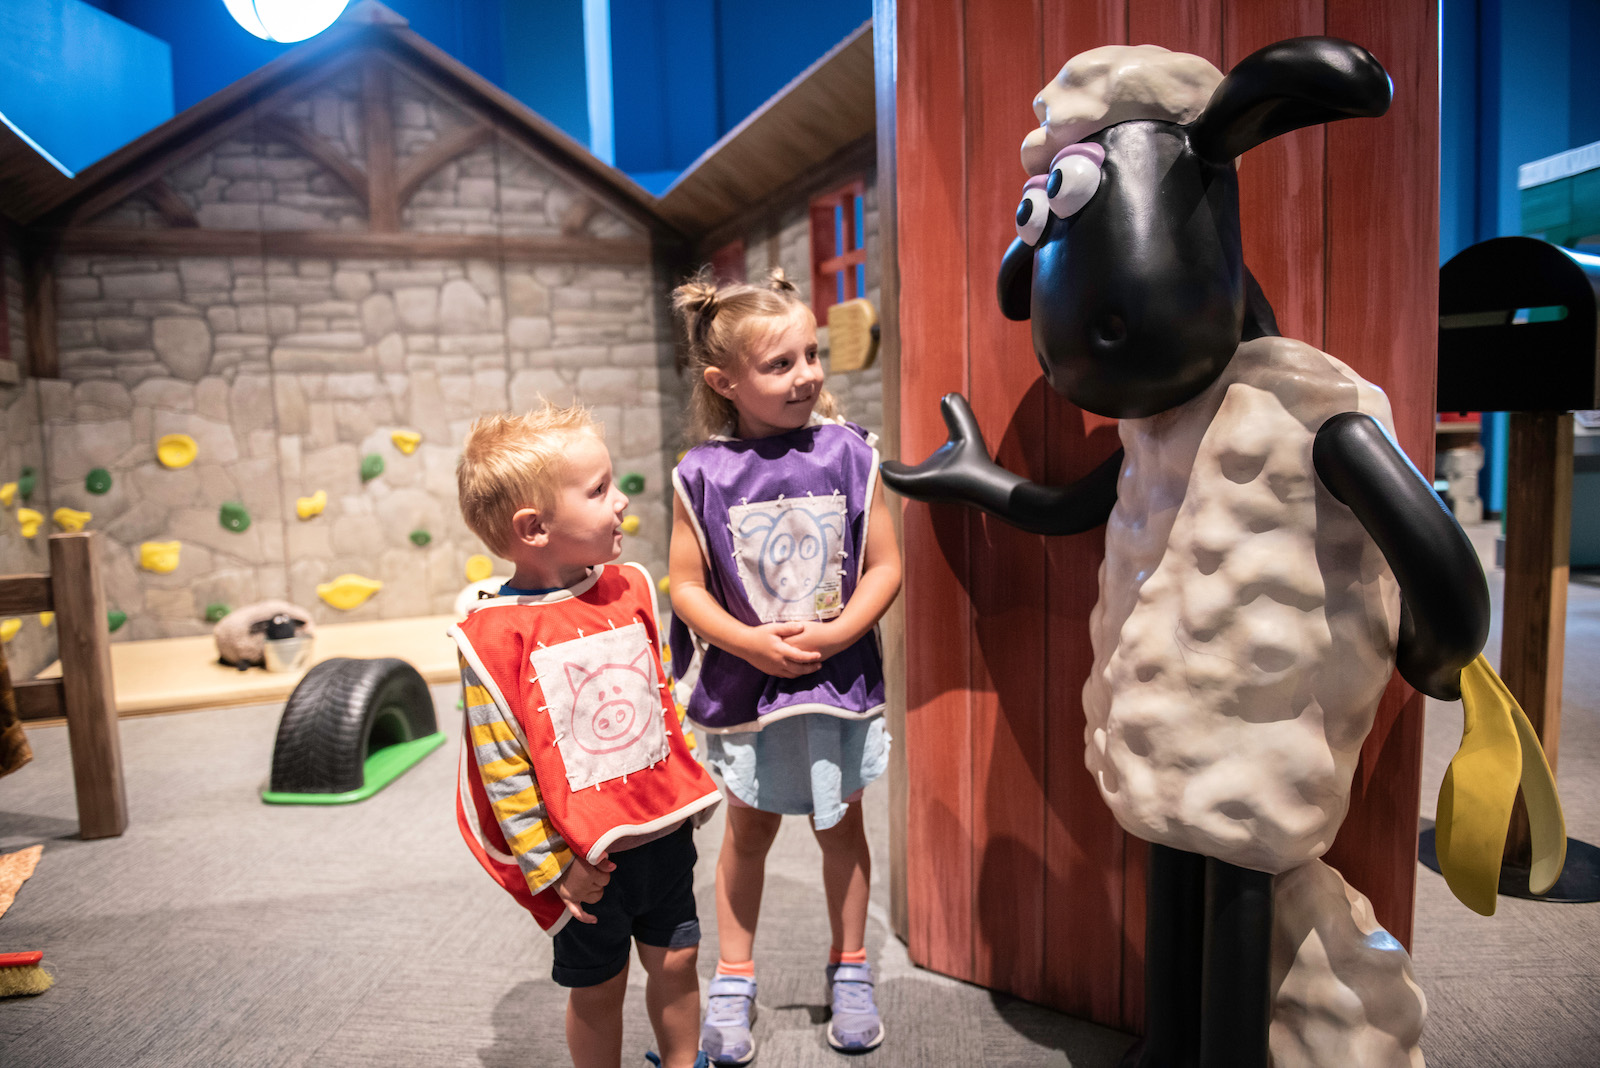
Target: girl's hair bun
{"points": [[696, 300], [778, 282]]}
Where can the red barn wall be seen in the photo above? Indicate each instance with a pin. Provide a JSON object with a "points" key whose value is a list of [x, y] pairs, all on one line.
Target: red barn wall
{"points": [[1017, 877]]}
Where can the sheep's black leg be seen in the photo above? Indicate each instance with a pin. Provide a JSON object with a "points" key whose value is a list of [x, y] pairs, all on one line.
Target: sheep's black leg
{"points": [[1236, 995], [1174, 942]]}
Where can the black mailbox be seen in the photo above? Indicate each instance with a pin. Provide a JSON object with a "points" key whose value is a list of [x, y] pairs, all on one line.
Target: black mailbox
{"points": [[1517, 328]]}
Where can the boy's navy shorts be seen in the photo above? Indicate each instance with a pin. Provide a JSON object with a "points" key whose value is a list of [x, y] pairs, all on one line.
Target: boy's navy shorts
{"points": [[650, 898]]}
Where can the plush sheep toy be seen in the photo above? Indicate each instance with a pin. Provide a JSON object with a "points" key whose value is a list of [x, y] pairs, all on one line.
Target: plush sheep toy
{"points": [[1271, 554]]}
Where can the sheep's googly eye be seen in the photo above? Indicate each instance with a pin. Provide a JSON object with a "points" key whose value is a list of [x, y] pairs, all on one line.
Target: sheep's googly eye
{"points": [[1032, 214], [1072, 183]]}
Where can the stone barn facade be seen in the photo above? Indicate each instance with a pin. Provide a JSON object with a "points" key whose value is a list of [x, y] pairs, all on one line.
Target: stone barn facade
{"points": [[359, 242]]}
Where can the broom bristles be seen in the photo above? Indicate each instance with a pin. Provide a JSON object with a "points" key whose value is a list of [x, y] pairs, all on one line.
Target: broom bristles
{"points": [[24, 981]]}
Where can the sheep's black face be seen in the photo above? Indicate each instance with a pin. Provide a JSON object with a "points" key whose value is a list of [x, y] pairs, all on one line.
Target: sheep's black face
{"points": [[1137, 296]]}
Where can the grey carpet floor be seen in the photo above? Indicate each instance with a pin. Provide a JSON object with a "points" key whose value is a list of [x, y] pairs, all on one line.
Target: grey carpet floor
{"points": [[219, 931]]}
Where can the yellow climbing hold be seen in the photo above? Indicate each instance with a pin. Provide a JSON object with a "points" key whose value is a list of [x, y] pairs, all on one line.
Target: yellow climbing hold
{"points": [[29, 520], [479, 567], [159, 556], [70, 519], [348, 591], [630, 524], [176, 450], [46, 618], [664, 583], [9, 628], [306, 507], [406, 440], [8, 493]]}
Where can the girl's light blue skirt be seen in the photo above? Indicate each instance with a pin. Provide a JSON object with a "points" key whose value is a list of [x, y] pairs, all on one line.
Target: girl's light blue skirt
{"points": [[804, 765]]}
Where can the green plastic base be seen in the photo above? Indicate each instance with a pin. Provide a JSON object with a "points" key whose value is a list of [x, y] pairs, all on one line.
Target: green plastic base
{"points": [[381, 769]]}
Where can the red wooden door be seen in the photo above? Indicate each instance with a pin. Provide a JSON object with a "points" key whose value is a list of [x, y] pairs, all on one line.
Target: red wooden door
{"points": [[1017, 877]]}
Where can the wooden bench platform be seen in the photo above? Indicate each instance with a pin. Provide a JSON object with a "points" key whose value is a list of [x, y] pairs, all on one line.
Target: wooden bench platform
{"points": [[181, 674]]}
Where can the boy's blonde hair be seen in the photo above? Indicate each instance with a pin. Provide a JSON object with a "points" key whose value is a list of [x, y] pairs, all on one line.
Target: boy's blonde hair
{"points": [[511, 462], [721, 324]]}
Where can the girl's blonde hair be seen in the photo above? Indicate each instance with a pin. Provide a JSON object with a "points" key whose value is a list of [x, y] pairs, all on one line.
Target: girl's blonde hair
{"points": [[512, 462], [721, 324]]}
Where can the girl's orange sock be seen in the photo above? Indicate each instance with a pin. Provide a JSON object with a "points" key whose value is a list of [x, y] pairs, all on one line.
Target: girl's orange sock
{"points": [[744, 968], [839, 956]]}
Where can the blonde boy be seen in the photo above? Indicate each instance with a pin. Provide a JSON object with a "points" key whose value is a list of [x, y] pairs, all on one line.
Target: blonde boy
{"points": [[576, 786]]}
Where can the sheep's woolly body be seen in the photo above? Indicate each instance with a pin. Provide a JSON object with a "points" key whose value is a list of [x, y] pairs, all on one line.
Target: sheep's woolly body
{"points": [[1112, 84], [1246, 625], [1344, 991]]}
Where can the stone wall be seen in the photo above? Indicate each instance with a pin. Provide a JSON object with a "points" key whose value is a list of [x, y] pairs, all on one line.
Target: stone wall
{"points": [[287, 372], [784, 240], [21, 446]]}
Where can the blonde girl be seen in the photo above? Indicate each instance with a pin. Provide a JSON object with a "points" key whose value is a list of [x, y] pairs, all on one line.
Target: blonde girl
{"points": [[783, 560]]}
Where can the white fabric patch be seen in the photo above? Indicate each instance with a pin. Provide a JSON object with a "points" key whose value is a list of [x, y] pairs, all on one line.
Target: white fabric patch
{"points": [[789, 555], [603, 699]]}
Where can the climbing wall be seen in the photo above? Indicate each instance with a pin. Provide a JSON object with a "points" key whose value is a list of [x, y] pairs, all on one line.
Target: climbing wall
{"points": [[364, 257]]}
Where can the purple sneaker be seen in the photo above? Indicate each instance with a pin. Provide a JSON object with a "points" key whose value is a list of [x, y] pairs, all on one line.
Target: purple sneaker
{"points": [[730, 1010], [855, 1027]]}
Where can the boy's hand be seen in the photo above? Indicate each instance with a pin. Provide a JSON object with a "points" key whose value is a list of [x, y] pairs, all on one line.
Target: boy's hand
{"points": [[582, 884], [819, 637], [768, 648]]}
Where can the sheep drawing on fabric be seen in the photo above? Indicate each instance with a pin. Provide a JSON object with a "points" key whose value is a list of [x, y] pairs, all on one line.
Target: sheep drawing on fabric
{"points": [[1271, 555]]}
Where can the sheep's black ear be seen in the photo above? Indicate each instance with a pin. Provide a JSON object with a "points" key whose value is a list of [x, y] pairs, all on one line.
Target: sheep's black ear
{"points": [[1015, 284], [1286, 86]]}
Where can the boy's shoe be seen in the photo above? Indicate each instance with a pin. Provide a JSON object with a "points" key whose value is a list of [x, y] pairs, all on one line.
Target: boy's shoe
{"points": [[855, 1027], [730, 1010]]}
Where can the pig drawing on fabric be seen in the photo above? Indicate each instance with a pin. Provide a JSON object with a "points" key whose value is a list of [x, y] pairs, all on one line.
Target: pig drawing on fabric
{"points": [[1271, 555]]}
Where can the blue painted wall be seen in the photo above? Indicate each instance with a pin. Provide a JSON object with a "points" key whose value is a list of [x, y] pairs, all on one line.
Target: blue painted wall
{"points": [[77, 82], [685, 72], [1518, 81]]}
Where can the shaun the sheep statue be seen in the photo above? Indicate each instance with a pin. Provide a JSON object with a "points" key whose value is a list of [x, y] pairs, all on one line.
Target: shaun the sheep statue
{"points": [[1271, 555]]}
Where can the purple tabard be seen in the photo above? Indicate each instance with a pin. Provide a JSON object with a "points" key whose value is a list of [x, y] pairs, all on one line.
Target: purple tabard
{"points": [[782, 523]]}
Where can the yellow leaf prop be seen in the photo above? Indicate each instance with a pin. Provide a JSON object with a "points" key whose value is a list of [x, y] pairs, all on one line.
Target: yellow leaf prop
{"points": [[176, 450], [159, 556], [70, 519], [348, 591], [479, 567], [406, 440], [9, 628], [29, 520], [1499, 751], [306, 507]]}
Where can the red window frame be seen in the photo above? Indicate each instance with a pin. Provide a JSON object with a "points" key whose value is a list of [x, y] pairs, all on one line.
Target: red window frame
{"points": [[838, 246]]}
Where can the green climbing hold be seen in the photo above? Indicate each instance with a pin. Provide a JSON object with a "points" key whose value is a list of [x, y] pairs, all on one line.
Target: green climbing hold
{"points": [[27, 482], [420, 538], [98, 481], [215, 611], [233, 517], [115, 619], [632, 482], [371, 467]]}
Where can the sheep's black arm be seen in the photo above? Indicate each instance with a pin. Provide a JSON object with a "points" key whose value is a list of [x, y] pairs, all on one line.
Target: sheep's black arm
{"points": [[960, 472], [1444, 610]]}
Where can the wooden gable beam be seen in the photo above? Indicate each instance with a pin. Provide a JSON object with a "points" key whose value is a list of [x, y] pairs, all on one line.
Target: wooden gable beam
{"points": [[279, 128], [424, 163], [157, 164], [173, 208], [377, 123]]}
